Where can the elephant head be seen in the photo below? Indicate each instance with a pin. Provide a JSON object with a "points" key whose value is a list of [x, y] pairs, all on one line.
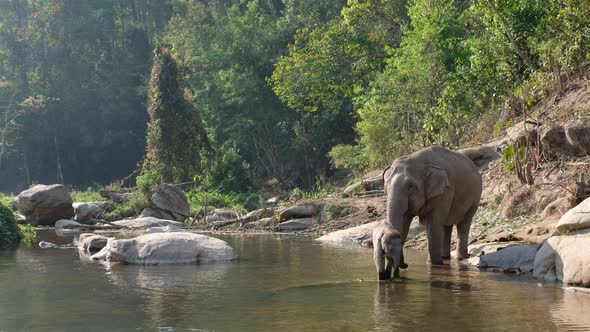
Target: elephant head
{"points": [[409, 187], [387, 244]]}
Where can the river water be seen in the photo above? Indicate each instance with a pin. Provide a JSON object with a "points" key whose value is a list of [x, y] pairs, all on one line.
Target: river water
{"points": [[280, 283]]}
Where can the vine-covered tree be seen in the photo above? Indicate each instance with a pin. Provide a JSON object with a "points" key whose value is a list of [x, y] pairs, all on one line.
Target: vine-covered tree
{"points": [[176, 136]]}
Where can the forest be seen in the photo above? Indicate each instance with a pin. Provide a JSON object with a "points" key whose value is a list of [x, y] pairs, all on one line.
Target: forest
{"points": [[236, 95]]}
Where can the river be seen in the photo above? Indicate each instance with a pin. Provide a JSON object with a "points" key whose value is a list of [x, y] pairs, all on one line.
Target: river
{"points": [[280, 283]]}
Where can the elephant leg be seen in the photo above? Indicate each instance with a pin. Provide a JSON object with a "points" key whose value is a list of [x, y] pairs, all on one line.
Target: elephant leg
{"points": [[388, 268], [446, 242], [463, 233], [434, 243]]}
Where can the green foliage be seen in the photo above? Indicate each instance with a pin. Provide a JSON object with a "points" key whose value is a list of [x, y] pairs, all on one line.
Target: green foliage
{"points": [[146, 182], [10, 234], [226, 171], [29, 233], [218, 200], [6, 199], [88, 195], [508, 157], [350, 157], [132, 207]]}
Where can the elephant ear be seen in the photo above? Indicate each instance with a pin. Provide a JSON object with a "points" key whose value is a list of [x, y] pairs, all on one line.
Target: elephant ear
{"points": [[436, 181]]}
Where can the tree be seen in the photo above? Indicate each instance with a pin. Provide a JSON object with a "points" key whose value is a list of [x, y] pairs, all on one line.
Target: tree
{"points": [[176, 137]]}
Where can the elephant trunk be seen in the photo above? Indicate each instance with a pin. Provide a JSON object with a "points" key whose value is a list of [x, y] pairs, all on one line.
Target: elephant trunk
{"points": [[397, 256]]}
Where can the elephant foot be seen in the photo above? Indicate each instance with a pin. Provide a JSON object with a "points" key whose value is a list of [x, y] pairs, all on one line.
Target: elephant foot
{"points": [[446, 257], [437, 261], [396, 273], [461, 257], [384, 275], [403, 266]]}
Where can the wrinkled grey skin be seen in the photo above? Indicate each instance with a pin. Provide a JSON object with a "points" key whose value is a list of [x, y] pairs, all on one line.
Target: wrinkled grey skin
{"points": [[441, 187], [387, 246]]}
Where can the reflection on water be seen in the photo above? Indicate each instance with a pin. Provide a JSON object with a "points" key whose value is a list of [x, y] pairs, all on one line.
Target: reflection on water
{"points": [[279, 283]]}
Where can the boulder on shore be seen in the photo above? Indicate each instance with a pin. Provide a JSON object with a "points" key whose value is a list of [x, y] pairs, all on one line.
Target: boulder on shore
{"points": [[167, 248], [564, 258], [44, 205], [67, 223], [140, 223], [295, 224], [170, 199], [576, 218], [156, 213], [85, 212], [300, 211]]}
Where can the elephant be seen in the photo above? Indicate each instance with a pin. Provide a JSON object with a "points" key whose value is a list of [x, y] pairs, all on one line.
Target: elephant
{"points": [[441, 187], [386, 246]]}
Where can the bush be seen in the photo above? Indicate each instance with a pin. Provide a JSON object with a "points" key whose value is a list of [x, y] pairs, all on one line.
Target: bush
{"points": [[218, 200], [350, 157], [89, 195], [10, 234]]}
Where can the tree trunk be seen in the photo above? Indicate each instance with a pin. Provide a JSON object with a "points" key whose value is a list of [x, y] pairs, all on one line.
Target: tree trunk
{"points": [[527, 60]]}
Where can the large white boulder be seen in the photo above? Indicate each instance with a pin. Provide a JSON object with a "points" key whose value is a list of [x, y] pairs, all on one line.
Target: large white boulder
{"points": [[147, 222], [576, 218], [44, 205], [564, 258], [167, 248], [85, 212]]}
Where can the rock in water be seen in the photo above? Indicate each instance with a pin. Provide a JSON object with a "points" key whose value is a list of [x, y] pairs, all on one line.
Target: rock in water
{"points": [[44, 205], [564, 258], [521, 257], [67, 223], [576, 218], [91, 242], [171, 199], [167, 248], [84, 212], [147, 222]]}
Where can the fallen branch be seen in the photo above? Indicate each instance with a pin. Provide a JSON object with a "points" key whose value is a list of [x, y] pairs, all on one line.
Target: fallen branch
{"points": [[370, 193]]}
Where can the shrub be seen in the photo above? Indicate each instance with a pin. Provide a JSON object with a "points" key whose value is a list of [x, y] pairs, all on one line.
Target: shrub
{"points": [[350, 157], [89, 195], [10, 234]]}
